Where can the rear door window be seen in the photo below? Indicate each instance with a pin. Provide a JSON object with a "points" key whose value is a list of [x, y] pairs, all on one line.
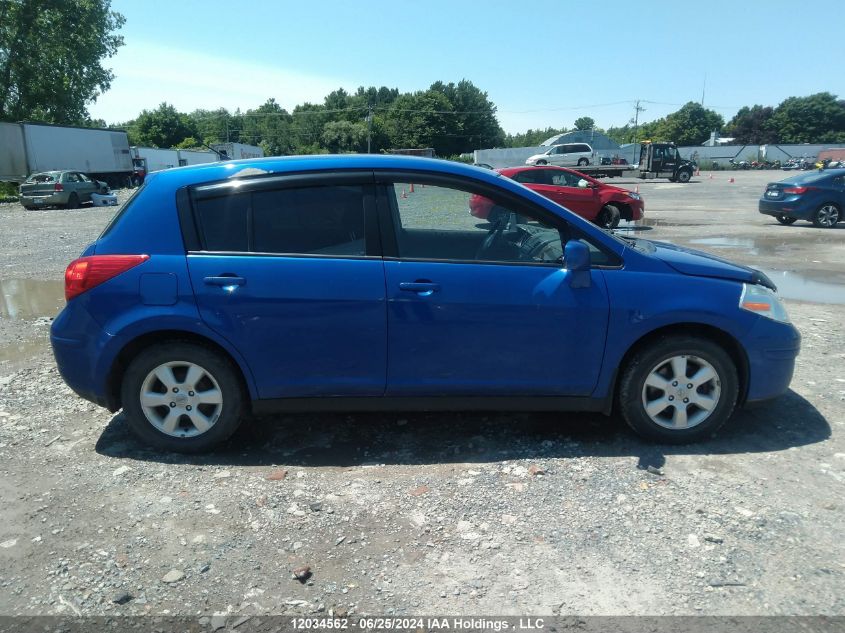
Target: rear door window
{"points": [[298, 220]]}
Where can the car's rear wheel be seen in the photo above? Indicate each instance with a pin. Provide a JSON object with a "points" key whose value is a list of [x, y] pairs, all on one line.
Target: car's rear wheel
{"points": [[608, 217], [681, 389], [785, 219], [182, 397], [582, 162], [72, 202], [826, 216]]}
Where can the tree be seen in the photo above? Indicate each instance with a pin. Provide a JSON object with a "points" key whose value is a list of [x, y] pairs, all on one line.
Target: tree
{"points": [[420, 120], [819, 118], [269, 126], [691, 125], [753, 126], [532, 138], [51, 54], [473, 124], [584, 123], [344, 136], [162, 127]]}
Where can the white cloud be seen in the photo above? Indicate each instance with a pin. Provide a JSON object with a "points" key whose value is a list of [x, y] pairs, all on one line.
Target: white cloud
{"points": [[147, 74]]}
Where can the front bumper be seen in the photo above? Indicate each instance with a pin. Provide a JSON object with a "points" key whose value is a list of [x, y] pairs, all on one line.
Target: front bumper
{"points": [[772, 348]]}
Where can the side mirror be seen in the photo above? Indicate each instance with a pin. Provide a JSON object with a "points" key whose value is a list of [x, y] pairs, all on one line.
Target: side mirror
{"points": [[583, 184], [576, 260]]}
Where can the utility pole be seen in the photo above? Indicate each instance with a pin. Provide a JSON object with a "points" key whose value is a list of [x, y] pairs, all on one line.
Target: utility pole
{"points": [[637, 110], [369, 127]]}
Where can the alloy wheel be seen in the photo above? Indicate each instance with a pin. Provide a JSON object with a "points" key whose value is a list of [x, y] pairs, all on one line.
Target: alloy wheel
{"points": [[681, 392], [181, 399]]}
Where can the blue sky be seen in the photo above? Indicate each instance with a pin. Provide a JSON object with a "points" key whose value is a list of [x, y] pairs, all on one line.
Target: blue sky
{"points": [[543, 63]]}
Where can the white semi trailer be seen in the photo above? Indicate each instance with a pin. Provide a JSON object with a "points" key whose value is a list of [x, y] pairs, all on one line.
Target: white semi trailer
{"points": [[27, 148]]}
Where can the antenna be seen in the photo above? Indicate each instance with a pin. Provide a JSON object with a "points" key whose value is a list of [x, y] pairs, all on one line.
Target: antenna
{"points": [[703, 88]]}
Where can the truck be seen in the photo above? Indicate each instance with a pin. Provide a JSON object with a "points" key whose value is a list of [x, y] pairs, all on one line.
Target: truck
{"points": [[146, 160], [657, 160], [28, 148], [236, 151]]}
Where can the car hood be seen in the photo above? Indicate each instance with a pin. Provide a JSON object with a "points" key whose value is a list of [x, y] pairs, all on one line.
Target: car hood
{"points": [[700, 264], [535, 156]]}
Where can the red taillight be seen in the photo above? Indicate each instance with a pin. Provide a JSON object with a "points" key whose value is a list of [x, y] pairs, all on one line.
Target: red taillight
{"points": [[58, 187], [797, 190], [87, 272]]}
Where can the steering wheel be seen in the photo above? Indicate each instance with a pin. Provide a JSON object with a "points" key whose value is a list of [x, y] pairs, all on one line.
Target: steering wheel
{"points": [[493, 237]]}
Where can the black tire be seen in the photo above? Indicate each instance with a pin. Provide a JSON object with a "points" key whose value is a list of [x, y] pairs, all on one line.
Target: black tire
{"points": [[29, 208], [226, 416], [826, 216], [684, 176], [542, 162], [633, 391], [583, 162], [785, 219], [72, 202], [608, 217]]}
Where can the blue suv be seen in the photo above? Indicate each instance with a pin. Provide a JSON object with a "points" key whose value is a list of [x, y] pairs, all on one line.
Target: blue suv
{"points": [[363, 283]]}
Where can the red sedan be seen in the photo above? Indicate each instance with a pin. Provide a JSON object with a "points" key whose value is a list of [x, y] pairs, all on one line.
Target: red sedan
{"points": [[592, 199]]}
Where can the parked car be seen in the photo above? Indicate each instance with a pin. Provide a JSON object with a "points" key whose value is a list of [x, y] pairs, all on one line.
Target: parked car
{"points": [[330, 283], [592, 199], [818, 197], [66, 189], [568, 155]]}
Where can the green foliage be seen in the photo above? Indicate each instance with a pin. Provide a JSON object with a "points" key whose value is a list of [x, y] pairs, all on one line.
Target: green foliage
{"points": [[419, 120], [50, 57], [819, 118], [691, 125], [344, 136], [532, 138], [584, 123], [189, 143], [162, 127], [753, 126]]}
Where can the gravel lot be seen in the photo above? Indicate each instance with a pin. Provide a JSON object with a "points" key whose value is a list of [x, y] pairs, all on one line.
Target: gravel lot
{"points": [[432, 513]]}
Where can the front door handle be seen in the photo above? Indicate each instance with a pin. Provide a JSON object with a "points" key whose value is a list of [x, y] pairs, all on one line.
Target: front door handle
{"points": [[225, 280], [422, 288]]}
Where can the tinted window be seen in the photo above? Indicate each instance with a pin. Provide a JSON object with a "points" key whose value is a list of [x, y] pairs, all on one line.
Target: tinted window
{"points": [[531, 177], [223, 222], [565, 178], [306, 220], [582, 148], [310, 220]]}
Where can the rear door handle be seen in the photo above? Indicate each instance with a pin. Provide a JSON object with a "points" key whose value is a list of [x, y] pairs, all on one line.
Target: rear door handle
{"points": [[422, 288], [225, 280]]}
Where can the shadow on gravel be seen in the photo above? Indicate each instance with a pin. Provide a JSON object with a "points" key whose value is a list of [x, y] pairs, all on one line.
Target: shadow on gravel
{"points": [[329, 439]]}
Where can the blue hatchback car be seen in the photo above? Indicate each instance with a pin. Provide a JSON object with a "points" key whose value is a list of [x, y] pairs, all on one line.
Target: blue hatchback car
{"points": [[363, 283], [816, 196]]}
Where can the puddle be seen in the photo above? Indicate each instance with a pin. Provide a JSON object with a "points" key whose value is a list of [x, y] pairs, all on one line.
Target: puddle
{"points": [[651, 222], [793, 285], [30, 298], [13, 352]]}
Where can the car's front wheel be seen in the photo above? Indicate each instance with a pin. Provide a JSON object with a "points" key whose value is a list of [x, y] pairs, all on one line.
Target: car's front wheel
{"points": [[542, 162], [182, 397], [684, 176], [680, 389], [785, 219], [608, 217], [826, 216]]}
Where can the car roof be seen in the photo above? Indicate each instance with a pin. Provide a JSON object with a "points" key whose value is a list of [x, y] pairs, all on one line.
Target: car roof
{"points": [[814, 176], [279, 165]]}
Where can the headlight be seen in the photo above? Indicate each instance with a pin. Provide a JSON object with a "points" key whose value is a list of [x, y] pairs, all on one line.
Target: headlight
{"points": [[633, 195], [762, 301]]}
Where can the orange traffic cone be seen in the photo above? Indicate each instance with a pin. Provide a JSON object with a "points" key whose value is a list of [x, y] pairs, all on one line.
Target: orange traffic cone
{"points": [[711, 177], [411, 190], [730, 180], [637, 189], [404, 194]]}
